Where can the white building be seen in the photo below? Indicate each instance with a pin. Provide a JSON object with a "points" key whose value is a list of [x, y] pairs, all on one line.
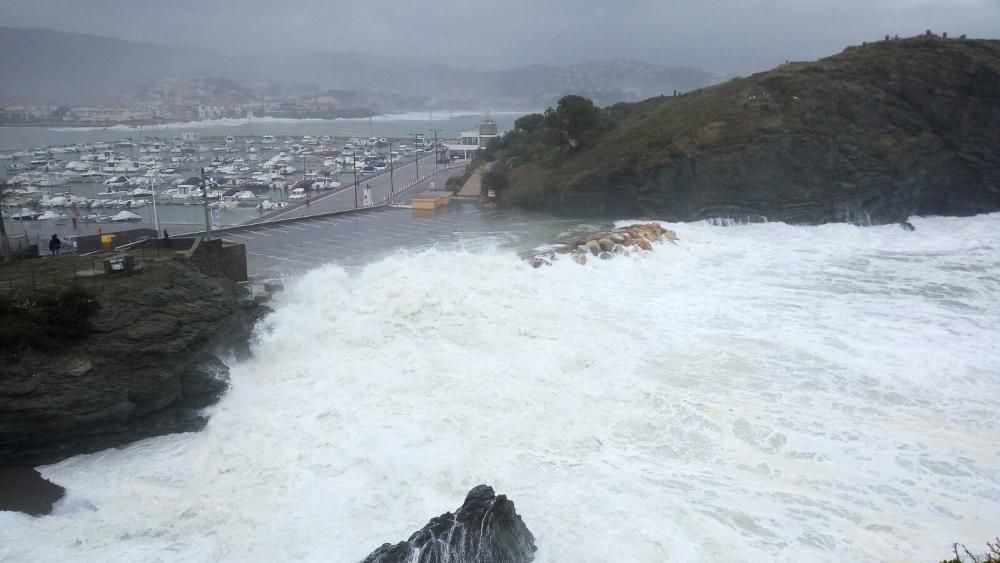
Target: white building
{"points": [[480, 137]]}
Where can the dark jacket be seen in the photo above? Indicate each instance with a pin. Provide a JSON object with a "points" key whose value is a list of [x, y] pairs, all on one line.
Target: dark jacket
{"points": [[54, 243]]}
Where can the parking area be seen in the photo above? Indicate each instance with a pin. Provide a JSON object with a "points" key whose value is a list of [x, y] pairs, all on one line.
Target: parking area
{"points": [[354, 239]]}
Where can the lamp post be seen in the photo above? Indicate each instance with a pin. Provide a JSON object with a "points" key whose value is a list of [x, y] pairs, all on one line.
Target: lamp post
{"points": [[204, 197], [435, 131], [416, 155], [354, 165], [156, 218], [392, 187]]}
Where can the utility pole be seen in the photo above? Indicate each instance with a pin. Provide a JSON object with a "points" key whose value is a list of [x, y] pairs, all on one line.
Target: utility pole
{"points": [[416, 155], [354, 156], [435, 131], [392, 185], [204, 196], [152, 183]]}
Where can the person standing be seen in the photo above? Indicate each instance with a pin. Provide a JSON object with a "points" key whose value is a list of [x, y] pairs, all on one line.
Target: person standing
{"points": [[55, 246]]}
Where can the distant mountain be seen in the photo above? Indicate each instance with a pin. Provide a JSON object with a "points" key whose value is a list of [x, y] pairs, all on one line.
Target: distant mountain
{"points": [[43, 66]]}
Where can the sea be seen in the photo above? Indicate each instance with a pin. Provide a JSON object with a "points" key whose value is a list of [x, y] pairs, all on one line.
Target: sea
{"points": [[758, 392]]}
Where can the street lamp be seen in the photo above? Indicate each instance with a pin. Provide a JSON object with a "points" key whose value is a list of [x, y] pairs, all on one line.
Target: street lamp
{"points": [[435, 131], [416, 155], [354, 165]]}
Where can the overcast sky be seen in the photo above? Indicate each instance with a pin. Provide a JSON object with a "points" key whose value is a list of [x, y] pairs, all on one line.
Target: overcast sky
{"points": [[722, 36]]}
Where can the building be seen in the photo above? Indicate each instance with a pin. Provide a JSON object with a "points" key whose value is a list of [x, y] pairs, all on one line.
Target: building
{"points": [[107, 115], [27, 114], [480, 137], [461, 151], [189, 137]]}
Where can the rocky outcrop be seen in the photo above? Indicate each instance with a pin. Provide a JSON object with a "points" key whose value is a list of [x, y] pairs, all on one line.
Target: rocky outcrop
{"points": [[624, 241], [146, 367], [22, 489], [875, 134], [485, 529]]}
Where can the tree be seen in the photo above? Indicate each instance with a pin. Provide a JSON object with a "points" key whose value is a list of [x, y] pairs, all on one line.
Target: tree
{"points": [[529, 122], [577, 117]]}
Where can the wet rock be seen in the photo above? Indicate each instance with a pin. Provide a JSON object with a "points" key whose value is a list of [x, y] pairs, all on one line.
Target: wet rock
{"points": [[580, 259], [485, 529], [113, 387], [907, 226], [606, 244], [23, 489], [605, 256], [644, 244], [594, 246]]}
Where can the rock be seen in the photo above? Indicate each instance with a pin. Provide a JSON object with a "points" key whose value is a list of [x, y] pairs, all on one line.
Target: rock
{"points": [[606, 244], [485, 529], [644, 244], [582, 248], [594, 246], [670, 235], [605, 255], [23, 489], [616, 237], [580, 259], [113, 387], [907, 226]]}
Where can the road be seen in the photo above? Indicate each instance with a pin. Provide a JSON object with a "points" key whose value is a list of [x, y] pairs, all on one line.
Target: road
{"points": [[403, 174]]}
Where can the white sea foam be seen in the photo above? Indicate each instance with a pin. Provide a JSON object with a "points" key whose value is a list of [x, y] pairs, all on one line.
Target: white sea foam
{"points": [[756, 393]]}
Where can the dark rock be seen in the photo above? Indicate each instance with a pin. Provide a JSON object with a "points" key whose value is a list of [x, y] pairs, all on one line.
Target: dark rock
{"points": [[907, 226], [23, 489], [147, 368], [485, 529]]}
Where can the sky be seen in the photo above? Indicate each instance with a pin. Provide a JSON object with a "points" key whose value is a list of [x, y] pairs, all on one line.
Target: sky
{"points": [[727, 37]]}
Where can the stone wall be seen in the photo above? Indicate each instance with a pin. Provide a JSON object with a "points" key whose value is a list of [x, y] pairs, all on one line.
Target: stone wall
{"points": [[218, 257]]}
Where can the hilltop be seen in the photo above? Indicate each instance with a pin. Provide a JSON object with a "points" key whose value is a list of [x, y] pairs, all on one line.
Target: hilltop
{"points": [[43, 66], [876, 133]]}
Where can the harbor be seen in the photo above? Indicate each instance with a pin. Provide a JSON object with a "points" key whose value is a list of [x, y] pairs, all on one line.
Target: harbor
{"points": [[181, 181]]}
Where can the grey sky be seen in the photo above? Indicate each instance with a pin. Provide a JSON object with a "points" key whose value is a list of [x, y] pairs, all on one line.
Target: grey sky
{"points": [[724, 36]]}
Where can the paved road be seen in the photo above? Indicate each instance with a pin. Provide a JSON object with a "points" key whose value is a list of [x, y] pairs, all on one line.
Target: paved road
{"points": [[354, 239], [404, 173]]}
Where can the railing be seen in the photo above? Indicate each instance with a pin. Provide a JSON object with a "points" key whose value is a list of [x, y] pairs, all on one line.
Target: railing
{"points": [[38, 274]]}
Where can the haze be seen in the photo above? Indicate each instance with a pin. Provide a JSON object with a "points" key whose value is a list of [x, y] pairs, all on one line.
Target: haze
{"points": [[721, 36]]}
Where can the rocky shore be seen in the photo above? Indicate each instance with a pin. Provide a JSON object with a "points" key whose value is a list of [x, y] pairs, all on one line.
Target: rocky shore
{"points": [[145, 364], [605, 245], [485, 528]]}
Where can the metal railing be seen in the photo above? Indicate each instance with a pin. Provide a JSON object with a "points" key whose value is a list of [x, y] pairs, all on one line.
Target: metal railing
{"points": [[38, 274]]}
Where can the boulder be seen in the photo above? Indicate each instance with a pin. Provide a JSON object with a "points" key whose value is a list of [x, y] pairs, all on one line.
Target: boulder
{"points": [[606, 244], [580, 259], [644, 244], [485, 529], [594, 246]]}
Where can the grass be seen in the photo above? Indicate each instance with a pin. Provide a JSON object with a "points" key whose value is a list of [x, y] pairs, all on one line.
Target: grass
{"points": [[45, 320]]}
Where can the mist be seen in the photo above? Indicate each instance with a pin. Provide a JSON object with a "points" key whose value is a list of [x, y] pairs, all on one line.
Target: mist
{"points": [[726, 37]]}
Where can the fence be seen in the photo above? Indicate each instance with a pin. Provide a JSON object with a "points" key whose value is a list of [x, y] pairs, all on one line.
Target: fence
{"points": [[46, 273]]}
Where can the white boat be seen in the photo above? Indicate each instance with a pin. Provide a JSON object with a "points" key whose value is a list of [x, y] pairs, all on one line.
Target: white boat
{"points": [[26, 215], [115, 166], [297, 193], [126, 217], [52, 216]]}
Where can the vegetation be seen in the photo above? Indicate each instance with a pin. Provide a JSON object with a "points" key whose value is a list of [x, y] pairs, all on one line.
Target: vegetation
{"points": [[793, 143], [966, 556], [46, 320]]}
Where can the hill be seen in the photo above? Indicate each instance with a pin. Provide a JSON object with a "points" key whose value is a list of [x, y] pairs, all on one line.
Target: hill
{"points": [[876, 133], [52, 67]]}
